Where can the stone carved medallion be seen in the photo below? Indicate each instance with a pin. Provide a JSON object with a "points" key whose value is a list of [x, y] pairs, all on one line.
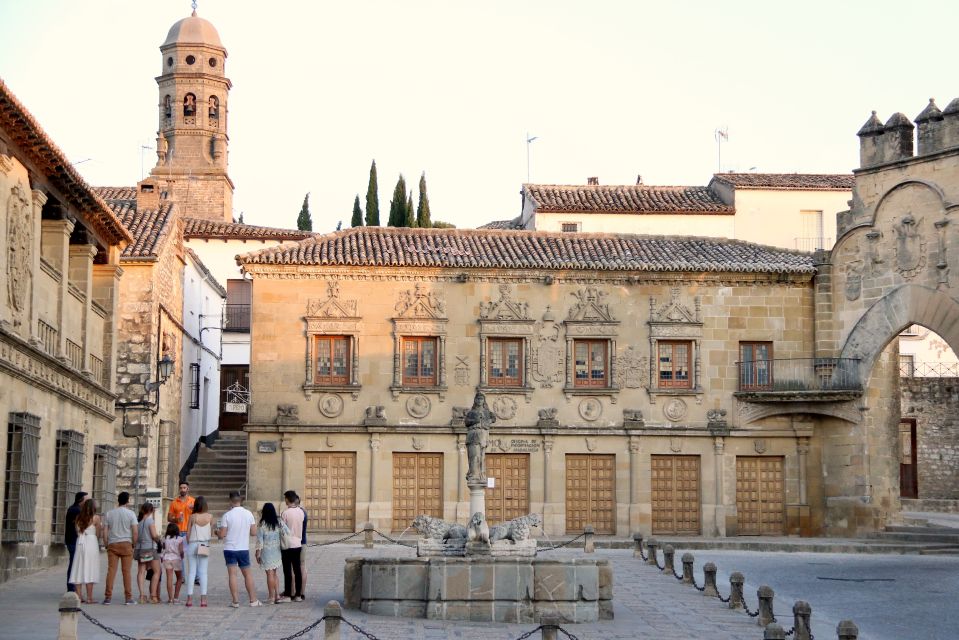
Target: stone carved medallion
{"points": [[461, 372], [331, 405], [910, 247], [591, 444], [329, 441], [504, 408], [675, 444], [19, 250], [417, 443], [547, 353], [632, 370], [759, 445], [418, 406], [854, 271], [590, 409], [675, 410]]}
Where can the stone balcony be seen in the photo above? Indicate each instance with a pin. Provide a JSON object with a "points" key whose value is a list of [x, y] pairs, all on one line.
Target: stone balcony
{"points": [[799, 380]]}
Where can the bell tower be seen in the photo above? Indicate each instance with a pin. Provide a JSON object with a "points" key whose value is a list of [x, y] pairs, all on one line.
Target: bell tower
{"points": [[192, 138]]}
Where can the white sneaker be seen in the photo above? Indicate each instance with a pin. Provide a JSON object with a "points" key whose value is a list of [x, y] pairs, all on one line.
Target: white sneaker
{"points": [[234, 605], [256, 603]]}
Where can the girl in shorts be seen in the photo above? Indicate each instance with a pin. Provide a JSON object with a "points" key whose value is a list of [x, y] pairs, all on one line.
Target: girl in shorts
{"points": [[172, 559]]}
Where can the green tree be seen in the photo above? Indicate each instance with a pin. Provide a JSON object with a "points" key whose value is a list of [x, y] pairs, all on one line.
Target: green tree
{"points": [[241, 218], [304, 222], [398, 204], [410, 220], [357, 220], [439, 224], [372, 200], [423, 207]]}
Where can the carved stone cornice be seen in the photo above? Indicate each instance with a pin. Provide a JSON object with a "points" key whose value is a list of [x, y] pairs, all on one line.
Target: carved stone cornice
{"points": [[22, 361]]}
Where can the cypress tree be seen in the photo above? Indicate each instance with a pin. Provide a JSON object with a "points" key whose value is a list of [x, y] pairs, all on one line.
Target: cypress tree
{"points": [[304, 222], [398, 204], [372, 200], [423, 208], [410, 220], [357, 220]]}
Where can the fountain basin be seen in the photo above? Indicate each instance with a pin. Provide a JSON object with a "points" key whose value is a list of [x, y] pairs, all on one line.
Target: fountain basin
{"points": [[481, 588]]}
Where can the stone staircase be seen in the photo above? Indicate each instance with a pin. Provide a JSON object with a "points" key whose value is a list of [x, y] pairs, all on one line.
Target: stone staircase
{"points": [[220, 469], [934, 539]]}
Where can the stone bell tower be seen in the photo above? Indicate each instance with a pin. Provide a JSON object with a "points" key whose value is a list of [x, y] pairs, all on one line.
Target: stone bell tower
{"points": [[192, 138]]}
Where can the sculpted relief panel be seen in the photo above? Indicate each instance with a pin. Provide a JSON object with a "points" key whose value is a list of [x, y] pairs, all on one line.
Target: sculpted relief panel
{"points": [[19, 251]]}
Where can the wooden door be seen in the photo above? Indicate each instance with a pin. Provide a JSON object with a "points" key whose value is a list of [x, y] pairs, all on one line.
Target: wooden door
{"points": [[330, 491], [908, 474], [234, 393], [760, 495], [509, 498], [676, 495], [417, 487], [590, 492]]}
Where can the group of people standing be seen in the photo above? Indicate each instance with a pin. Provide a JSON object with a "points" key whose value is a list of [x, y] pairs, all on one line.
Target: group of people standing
{"points": [[184, 548]]}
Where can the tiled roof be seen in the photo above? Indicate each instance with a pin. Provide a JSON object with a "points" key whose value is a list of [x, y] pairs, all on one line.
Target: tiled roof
{"points": [[502, 224], [206, 272], [480, 248], [625, 199], [147, 227], [117, 193], [211, 229], [26, 133], [789, 181]]}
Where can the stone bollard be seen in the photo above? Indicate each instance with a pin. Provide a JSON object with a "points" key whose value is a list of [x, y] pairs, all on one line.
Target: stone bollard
{"points": [[333, 615], [847, 630], [736, 581], [765, 594], [550, 626], [688, 561], [709, 580], [589, 544], [637, 545], [774, 631], [651, 546], [669, 555], [368, 535], [69, 616], [802, 612], [353, 583]]}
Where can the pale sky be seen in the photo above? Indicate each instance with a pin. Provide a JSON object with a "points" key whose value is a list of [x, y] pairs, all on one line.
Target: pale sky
{"points": [[611, 89]]}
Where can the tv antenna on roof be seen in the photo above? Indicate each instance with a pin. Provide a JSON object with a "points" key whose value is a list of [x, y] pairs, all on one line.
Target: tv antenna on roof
{"points": [[529, 141], [720, 135]]}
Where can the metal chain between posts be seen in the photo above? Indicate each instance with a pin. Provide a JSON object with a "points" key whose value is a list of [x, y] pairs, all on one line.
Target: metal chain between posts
{"points": [[567, 634], [751, 614], [529, 633], [656, 560], [383, 535], [560, 545], [678, 576], [696, 586], [721, 598], [355, 628], [644, 556], [306, 630], [323, 544], [97, 623]]}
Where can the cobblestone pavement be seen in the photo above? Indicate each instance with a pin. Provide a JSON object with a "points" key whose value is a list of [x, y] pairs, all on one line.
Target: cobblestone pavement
{"points": [[647, 605]]}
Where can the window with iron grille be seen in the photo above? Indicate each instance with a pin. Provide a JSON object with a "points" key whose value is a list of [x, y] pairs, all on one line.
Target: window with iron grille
{"points": [[67, 478], [569, 227], [194, 385], [20, 485], [105, 477]]}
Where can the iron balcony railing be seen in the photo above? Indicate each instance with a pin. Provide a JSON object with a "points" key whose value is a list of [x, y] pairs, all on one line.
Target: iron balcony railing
{"points": [[813, 244], [799, 375], [928, 369], [236, 318]]}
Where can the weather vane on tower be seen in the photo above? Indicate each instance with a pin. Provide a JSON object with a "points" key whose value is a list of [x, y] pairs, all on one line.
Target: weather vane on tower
{"points": [[194, 6]]}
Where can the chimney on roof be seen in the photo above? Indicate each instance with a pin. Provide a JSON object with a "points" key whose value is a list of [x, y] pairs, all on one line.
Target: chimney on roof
{"points": [[148, 194], [594, 181], [639, 179]]}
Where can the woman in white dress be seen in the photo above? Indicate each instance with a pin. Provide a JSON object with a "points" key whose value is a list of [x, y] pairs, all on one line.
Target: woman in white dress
{"points": [[86, 562]]}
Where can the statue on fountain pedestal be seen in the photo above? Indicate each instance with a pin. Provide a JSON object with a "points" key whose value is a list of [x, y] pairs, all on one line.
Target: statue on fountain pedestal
{"points": [[478, 421]]}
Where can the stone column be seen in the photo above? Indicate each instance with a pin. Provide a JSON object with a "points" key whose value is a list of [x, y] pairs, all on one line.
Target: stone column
{"points": [[374, 451], [460, 467], [547, 487], [802, 448], [634, 506], [106, 291], [286, 446], [719, 446], [81, 276], [55, 245]]}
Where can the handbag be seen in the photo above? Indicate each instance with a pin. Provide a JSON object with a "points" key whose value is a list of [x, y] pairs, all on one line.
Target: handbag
{"points": [[202, 548], [284, 538]]}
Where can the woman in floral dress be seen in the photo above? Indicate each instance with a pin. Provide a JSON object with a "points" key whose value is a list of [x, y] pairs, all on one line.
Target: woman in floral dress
{"points": [[268, 536]]}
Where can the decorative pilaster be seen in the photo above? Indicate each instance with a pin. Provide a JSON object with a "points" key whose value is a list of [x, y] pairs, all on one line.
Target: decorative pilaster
{"points": [[719, 446], [374, 452], [286, 447], [81, 277], [802, 448]]}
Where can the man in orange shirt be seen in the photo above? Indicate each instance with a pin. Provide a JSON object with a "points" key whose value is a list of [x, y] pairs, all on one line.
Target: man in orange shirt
{"points": [[181, 509]]}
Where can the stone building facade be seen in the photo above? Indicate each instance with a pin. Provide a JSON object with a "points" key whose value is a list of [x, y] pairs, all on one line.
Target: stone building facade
{"points": [[929, 439], [60, 259], [609, 361]]}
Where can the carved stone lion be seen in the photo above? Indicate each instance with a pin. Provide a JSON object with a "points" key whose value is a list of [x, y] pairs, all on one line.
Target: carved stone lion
{"points": [[436, 529], [478, 529], [517, 529]]}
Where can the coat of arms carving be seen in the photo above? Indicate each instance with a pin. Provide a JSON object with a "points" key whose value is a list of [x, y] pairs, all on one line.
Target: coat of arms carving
{"points": [[632, 370], [674, 310], [547, 356], [19, 250], [505, 308], [331, 306], [854, 271], [420, 303], [590, 306], [910, 247]]}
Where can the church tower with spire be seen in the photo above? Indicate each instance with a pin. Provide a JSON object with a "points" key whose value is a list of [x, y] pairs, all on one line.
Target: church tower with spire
{"points": [[192, 138]]}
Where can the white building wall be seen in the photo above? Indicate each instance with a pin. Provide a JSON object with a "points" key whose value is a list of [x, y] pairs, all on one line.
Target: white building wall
{"points": [[777, 218], [710, 225]]}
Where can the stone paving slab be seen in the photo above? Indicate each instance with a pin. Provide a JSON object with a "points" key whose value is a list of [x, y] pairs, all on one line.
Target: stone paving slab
{"points": [[647, 605]]}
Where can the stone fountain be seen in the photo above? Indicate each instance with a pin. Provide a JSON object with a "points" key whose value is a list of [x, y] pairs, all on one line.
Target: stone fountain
{"points": [[477, 572]]}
